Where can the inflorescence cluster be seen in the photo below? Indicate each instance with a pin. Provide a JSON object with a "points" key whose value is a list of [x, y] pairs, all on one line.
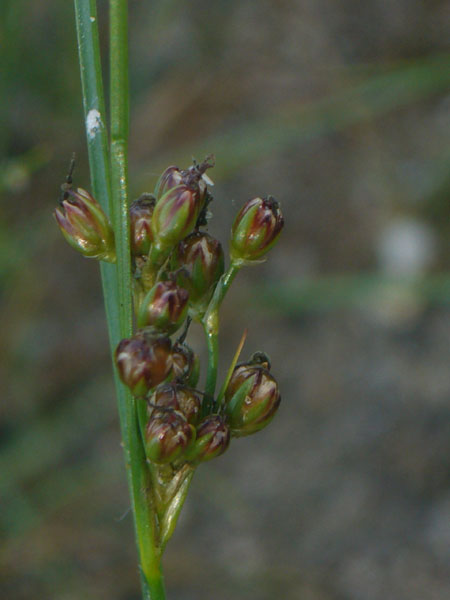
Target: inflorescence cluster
{"points": [[179, 276]]}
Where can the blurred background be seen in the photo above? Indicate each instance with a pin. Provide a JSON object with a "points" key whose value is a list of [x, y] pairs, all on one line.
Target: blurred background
{"points": [[341, 111]]}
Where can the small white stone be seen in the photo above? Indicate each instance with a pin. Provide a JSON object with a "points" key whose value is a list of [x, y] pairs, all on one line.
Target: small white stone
{"points": [[93, 123]]}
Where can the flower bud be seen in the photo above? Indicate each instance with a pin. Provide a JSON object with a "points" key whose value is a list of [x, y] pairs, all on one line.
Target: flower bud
{"points": [[175, 216], [169, 179], [164, 307], [201, 262], [251, 399], [194, 177], [255, 229], [177, 397], [85, 226], [141, 236], [186, 365], [144, 361], [167, 436], [213, 438]]}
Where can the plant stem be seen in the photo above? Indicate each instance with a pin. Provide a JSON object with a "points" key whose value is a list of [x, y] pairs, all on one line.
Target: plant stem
{"points": [[144, 513], [109, 186], [210, 324]]}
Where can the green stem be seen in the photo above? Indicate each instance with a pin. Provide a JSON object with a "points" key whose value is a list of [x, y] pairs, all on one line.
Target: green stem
{"points": [[144, 512], [210, 324], [212, 342], [115, 280]]}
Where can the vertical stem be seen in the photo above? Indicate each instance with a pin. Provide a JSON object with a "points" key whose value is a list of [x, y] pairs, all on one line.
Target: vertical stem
{"points": [[210, 324], [109, 185], [212, 342], [144, 513]]}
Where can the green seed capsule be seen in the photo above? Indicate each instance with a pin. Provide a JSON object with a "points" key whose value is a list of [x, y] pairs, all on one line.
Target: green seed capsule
{"points": [[200, 260], [167, 436], [255, 229], [213, 438], [174, 216], [251, 399], [85, 226], [164, 307]]}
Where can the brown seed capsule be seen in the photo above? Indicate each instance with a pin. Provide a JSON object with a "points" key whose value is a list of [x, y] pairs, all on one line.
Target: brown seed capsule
{"points": [[167, 436], [178, 397], [144, 361], [141, 236], [186, 365], [251, 399]]}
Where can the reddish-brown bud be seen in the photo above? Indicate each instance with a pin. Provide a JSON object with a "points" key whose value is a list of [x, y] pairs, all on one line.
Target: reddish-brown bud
{"points": [[167, 436], [186, 365], [141, 236], [213, 438], [85, 226], [201, 262], [164, 307], [194, 177], [251, 399], [177, 397], [169, 179], [144, 361], [255, 229]]}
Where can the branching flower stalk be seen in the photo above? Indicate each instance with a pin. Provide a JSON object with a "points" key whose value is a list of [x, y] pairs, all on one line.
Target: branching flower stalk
{"points": [[160, 272]]}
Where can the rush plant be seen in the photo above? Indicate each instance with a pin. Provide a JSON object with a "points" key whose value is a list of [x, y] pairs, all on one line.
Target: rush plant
{"points": [[161, 271]]}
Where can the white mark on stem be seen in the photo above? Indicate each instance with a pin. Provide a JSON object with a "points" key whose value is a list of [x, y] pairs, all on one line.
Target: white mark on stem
{"points": [[92, 19], [93, 123]]}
